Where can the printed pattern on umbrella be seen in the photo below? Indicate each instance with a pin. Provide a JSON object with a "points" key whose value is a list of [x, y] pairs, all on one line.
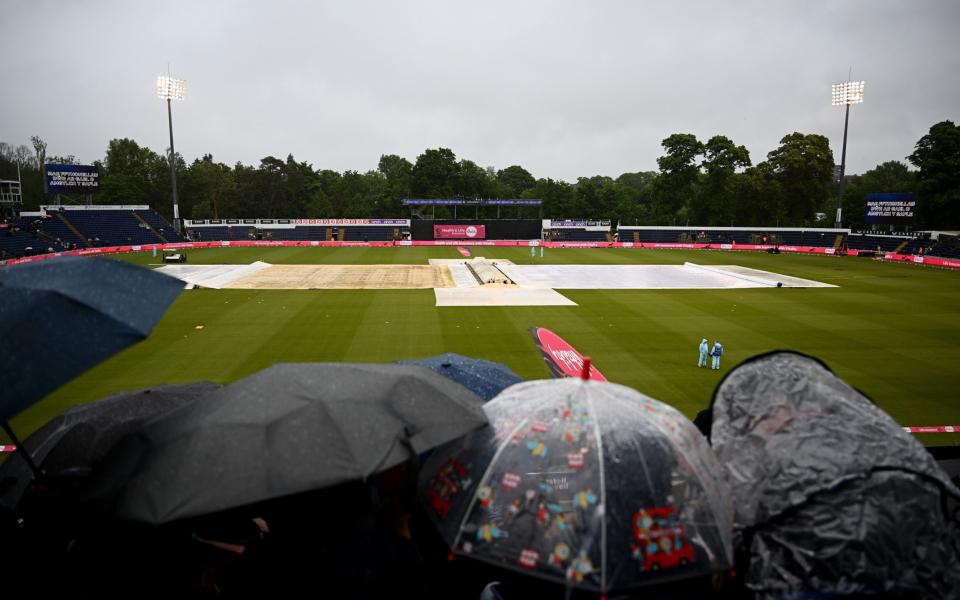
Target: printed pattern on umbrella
{"points": [[593, 484]]}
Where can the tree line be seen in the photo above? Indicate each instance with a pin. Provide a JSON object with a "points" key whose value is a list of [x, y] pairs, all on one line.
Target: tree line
{"points": [[708, 183]]}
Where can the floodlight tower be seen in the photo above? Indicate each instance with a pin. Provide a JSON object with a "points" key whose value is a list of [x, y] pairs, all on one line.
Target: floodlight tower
{"points": [[169, 89], [845, 94]]}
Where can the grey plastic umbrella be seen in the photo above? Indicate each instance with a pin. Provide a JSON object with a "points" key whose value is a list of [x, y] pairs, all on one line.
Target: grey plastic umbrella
{"points": [[290, 428], [80, 436], [62, 316], [482, 377], [831, 495], [587, 483]]}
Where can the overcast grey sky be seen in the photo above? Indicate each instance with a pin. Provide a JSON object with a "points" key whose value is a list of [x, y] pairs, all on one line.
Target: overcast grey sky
{"points": [[565, 89]]}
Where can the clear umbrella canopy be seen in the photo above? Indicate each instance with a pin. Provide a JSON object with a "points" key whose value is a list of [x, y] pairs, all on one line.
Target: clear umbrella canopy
{"points": [[587, 483]]}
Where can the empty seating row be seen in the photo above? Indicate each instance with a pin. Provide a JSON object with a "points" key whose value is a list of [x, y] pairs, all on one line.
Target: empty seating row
{"points": [[302, 233], [111, 227], [163, 227], [880, 243]]}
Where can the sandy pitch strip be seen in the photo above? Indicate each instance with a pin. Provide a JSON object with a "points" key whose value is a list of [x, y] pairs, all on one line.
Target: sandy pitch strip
{"points": [[346, 277]]}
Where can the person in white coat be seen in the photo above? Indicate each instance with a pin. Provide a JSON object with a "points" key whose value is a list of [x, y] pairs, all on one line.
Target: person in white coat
{"points": [[704, 348]]}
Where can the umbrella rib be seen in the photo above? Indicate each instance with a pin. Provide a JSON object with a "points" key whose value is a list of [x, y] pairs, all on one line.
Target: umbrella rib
{"points": [[486, 474], [603, 497]]}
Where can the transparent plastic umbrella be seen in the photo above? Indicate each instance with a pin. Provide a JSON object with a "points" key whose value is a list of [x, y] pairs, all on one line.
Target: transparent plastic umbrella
{"points": [[586, 483]]}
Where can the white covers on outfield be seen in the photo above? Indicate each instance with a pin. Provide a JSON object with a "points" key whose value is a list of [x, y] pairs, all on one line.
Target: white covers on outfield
{"points": [[642, 277], [212, 276]]}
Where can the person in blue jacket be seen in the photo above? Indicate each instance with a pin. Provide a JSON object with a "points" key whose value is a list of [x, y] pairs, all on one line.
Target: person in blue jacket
{"points": [[716, 353], [704, 348]]}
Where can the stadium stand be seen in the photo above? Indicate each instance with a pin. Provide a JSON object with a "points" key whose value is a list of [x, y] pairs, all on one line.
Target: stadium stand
{"points": [[221, 233], [59, 229], [112, 227], [350, 233], [915, 245], [30, 234], [880, 243], [577, 235], [15, 241], [824, 238], [160, 225], [107, 225], [946, 247], [368, 234]]}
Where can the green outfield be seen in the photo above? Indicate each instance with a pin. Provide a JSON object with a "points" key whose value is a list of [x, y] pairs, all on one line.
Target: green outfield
{"points": [[891, 330]]}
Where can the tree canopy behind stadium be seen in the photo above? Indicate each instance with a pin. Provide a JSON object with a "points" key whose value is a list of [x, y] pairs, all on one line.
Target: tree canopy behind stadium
{"points": [[710, 183]]}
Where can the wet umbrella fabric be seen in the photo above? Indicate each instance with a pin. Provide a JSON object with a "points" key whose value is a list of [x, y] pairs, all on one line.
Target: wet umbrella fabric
{"points": [[290, 428], [59, 317], [80, 436], [482, 377], [832, 496], [586, 483]]}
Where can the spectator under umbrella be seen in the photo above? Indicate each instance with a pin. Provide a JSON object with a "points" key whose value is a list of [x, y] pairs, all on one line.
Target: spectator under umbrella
{"points": [[832, 497]]}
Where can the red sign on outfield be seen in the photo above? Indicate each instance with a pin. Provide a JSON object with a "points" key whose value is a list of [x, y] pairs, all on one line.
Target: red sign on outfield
{"points": [[562, 359], [459, 232]]}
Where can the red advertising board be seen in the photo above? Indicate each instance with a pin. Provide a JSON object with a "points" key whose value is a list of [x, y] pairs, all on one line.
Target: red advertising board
{"points": [[459, 232]]}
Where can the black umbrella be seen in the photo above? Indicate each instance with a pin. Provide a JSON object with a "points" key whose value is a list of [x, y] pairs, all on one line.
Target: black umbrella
{"points": [[80, 436], [60, 317], [482, 377], [288, 429]]}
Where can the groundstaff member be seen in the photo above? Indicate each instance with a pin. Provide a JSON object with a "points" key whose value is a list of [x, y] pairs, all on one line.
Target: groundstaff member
{"points": [[716, 353]]}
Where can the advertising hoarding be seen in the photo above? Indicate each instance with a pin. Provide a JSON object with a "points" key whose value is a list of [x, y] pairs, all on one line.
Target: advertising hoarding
{"points": [[459, 232]]}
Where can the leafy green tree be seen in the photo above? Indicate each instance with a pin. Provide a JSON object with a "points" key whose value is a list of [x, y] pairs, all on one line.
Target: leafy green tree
{"points": [[937, 156], [803, 166], [435, 174], [598, 197], [247, 193], [634, 205], [514, 181], [207, 190], [132, 174], [679, 171], [330, 193], [713, 203], [559, 197], [398, 174], [473, 181], [757, 198]]}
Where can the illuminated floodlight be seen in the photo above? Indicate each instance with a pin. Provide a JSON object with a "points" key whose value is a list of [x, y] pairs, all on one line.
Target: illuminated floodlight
{"points": [[170, 88], [847, 93]]}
